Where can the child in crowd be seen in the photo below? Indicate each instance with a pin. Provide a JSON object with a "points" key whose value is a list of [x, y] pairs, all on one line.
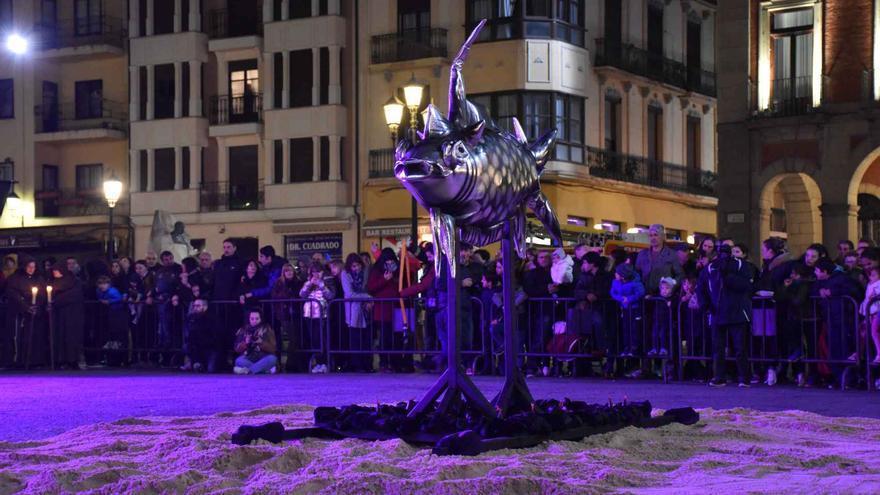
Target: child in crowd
{"points": [[317, 293], [117, 317], [871, 309], [562, 270], [663, 313], [628, 290]]}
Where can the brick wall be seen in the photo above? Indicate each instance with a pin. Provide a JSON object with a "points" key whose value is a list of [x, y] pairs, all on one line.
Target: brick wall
{"points": [[848, 47]]}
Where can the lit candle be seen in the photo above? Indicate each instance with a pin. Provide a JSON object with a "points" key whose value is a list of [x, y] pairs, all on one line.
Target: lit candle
{"points": [[33, 295], [49, 293]]}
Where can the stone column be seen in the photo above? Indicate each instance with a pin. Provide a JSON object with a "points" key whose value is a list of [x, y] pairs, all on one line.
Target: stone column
{"points": [[151, 170], [178, 15], [222, 162], [149, 18], [285, 159], [195, 88], [316, 7], [335, 165], [195, 19], [285, 10], [178, 168], [134, 83], [316, 76], [335, 89], [316, 158], [285, 79], [134, 19], [267, 11], [839, 221], [268, 77], [134, 166], [195, 167], [269, 162], [332, 7], [151, 92], [178, 90]]}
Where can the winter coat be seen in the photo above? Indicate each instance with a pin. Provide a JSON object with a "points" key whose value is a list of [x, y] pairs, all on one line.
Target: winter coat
{"points": [[633, 291], [18, 290], [774, 273], [725, 290], [261, 343], [111, 295], [871, 304], [227, 277], [380, 288], [354, 310], [272, 273], [67, 290], [598, 284], [653, 267], [318, 295], [200, 328], [167, 279], [250, 285], [833, 309]]}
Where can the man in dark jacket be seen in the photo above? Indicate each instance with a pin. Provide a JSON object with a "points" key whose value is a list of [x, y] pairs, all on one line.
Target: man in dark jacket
{"points": [[200, 342], [68, 302], [725, 290], [538, 284], [227, 280], [271, 266], [167, 280], [203, 276], [25, 322], [837, 312]]}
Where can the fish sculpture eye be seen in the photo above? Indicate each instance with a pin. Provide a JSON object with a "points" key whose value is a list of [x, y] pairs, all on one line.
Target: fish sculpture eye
{"points": [[455, 153]]}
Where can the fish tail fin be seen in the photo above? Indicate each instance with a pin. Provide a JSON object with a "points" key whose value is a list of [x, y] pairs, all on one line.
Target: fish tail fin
{"points": [[542, 148]]}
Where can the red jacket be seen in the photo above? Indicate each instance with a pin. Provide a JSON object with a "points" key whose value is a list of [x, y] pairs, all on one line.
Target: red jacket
{"points": [[380, 288], [421, 287]]}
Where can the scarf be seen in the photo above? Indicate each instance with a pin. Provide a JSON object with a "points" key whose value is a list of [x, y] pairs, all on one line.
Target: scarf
{"points": [[357, 281]]}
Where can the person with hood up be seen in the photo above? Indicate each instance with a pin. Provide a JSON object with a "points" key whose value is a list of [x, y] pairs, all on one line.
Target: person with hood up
{"points": [[627, 289], [68, 302], [26, 337]]}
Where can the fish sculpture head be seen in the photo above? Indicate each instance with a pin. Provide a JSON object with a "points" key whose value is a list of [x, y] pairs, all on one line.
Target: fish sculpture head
{"points": [[437, 168]]}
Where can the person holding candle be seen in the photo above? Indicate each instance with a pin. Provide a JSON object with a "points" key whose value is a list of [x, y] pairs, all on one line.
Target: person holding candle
{"points": [[24, 318], [68, 305]]}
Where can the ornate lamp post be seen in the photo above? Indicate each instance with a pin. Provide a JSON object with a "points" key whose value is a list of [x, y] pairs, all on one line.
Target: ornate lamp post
{"points": [[112, 192]]}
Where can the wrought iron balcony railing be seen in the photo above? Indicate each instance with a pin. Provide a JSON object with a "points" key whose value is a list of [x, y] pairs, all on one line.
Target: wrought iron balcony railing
{"points": [[408, 45], [225, 109], [218, 24], [231, 196], [382, 163], [83, 31], [71, 202], [655, 173], [93, 113]]}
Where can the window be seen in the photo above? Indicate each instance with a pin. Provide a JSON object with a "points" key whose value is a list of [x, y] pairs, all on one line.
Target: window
{"points": [[324, 74], [613, 22], [5, 14], [7, 170], [278, 74], [538, 112], [142, 18], [89, 99], [184, 87], [7, 99], [300, 9], [164, 87], [655, 40], [508, 19], [413, 15], [694, 53], [89, 178], [655, 132], [244, 91], [325, 159], [693, 143], [276, 9], [278, 171], [301, 160], [612, 124], [301, 78], [791, 35], [142, 92], [184, 164], [87, 17], [50, 178], [143, 169], [47, 202], [163, 16], [163, 179]]}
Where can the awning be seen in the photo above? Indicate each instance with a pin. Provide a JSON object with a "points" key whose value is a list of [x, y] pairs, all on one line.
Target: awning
{"points": [[393, 227]]}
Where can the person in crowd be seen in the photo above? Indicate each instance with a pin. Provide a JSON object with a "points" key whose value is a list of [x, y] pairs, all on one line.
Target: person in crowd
{"points": [[167, 279], [26, 320], [287, 318], [696, 336], [539, 287], [48, 263], [627, 289], [354, 289], [68, 301], [10, 265], [580, 250], [203, 275], [383, 284], [270, 267], [870, 309], [814, 254], [255, 344], [707, 247], [472, 273], [336, 315], [869, 258], [862, 245], [657, 261], [688, 263], [619, 257], [185, 295], [741, 252], [844, 247], [851, 267], [726, 241], [117, 320], [152, 260], [199, 339], [367, 260], [496, 323], [427, 287], [664, 312], [74, 267], [118, 276], [562, 272], [318, 258], [480, 257], [227, 273], [776, 267], [140, 285], [127, 265], [317, 294], [831, 287], [251, 282]]}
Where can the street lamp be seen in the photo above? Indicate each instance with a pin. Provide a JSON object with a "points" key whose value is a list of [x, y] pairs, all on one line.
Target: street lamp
{"points": [[412, 95], [393, 115], [17, 44], [13, 202], [112, 192]]}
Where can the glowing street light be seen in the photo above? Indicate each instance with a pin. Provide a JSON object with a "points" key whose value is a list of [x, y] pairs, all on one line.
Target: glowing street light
{"points": [[112, 193], [17, 44]]}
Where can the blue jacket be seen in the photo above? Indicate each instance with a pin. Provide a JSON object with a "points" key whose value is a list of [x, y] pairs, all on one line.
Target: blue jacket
{"points": [[633, 291], [273, 273], [111, 295]]}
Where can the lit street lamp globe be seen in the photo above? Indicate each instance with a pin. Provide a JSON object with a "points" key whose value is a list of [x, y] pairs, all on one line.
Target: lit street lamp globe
{"points": [[112, 190]]}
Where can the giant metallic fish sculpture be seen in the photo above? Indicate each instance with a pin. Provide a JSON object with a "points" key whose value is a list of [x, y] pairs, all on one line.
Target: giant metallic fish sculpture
{"points": [[472, 175]]}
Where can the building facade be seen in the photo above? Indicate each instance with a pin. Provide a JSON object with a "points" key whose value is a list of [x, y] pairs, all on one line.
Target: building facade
{"points": [[798, 135], [629, 84]]}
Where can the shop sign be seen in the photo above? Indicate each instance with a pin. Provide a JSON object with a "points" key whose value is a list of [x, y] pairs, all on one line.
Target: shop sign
{"points": [[394, 231], [20, 242], [302, 247]]}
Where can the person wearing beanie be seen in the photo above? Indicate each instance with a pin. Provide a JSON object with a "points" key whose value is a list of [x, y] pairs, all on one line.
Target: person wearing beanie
{"points": [[628, 291]]}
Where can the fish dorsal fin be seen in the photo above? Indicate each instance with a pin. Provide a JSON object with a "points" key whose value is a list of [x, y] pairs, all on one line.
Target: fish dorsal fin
{"points": [[461, 112], [436, 124], [519, 133], [542, 148]]}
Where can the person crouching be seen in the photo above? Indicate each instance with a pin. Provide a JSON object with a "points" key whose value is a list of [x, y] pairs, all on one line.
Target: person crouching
{"points": [[256, 344]]}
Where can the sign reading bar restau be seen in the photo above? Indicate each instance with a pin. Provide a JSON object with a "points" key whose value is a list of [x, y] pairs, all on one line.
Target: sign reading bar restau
{"points": [[302, 247]]}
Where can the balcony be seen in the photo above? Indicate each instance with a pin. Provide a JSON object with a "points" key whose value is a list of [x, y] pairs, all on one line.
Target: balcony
{"points": [[408, 45], [62, 203], [219, 24], [94, 119], [654, 66], [654, 173], [381, 163], [225, 109], [227, 196], [790, 96], [82, 37]]}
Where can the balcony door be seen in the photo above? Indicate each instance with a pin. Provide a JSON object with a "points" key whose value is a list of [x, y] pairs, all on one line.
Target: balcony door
{"points": [[655, 40], [49, 114], [413, 23], [244, 17], [89, 99], [244, 190], [244, 90], [694, 54], [792, 33], [613, 29], [87, 17]]}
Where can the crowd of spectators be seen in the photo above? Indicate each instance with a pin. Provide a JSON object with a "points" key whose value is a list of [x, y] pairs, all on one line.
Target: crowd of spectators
{"points": [[623, 310]]}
